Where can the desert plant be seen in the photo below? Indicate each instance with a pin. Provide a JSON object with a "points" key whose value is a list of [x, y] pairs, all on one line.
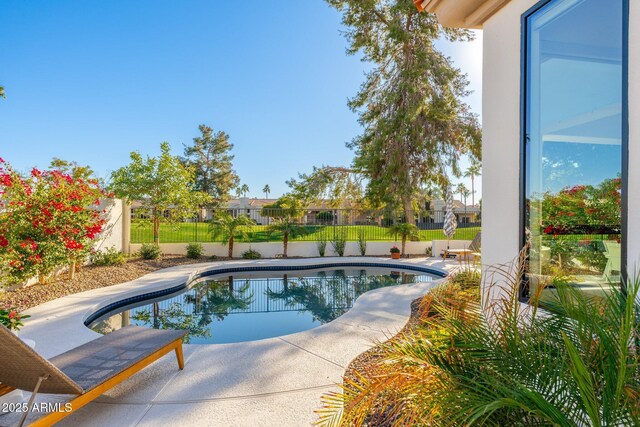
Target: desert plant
{"points": [[225, 226], [575, 365], [195, 250], [339, 242], [11, 318], [322, 244], [429, 251], [150, 251], [251, 254], [362, 242], [110, 256], [289, 229], [404, 231]]}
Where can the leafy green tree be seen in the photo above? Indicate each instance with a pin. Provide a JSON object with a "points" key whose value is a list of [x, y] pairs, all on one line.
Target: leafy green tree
{"points": [[416, 126], [163, 186], [287, 206], [404, 231], [266, 190], [472, 172], [225, 226], [338, 185], [211, 159], [75, 170]]}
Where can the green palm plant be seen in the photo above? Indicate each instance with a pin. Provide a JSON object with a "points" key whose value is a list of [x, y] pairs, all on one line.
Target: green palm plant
{"points": [[225, 226], [289, 229], [404, 231], [575, 364]]}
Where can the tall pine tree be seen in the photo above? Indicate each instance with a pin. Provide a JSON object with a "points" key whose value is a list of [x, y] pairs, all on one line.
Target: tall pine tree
{"points": [[416, 126], [210, 157]]}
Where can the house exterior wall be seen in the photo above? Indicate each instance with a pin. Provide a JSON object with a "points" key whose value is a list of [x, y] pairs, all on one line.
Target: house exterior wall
{"points": [[501, 134]]}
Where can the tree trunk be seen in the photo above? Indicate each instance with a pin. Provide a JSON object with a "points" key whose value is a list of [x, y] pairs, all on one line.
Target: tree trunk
{"points": [[231, 246], [156, 227], [404, 243], [408, 210], [72, 270], [285, 241], [473, 190]]}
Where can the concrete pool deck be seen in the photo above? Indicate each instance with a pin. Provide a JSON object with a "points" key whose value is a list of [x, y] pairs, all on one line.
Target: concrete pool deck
{"points": [[271, 382]]}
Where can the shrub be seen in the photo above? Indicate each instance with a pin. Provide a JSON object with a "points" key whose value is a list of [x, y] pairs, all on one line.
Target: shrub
{"points": [[251, 254], [362, 242], [339, 242], [577, 364], [428, 251], [50, 219], [150, 251], [11, 318], [322, 244], [394, 250], [325, 217], [195, 250], [111, 256]]}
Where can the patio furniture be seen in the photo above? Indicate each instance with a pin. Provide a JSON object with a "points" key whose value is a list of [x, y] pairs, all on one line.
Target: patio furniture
{"points": [[473, 250], [87, 371]]}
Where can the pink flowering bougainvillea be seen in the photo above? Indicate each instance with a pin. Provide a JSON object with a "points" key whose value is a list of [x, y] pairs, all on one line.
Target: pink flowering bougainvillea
{"points": [[583, 209], [47, 219]]}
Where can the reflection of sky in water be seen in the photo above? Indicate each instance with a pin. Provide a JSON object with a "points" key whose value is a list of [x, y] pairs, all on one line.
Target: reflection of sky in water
{"points": [[566, 164], [253, 306]]}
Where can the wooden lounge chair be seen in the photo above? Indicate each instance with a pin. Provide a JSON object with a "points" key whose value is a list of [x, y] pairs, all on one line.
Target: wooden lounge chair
{"points": [[472, 251], [87, 371]]}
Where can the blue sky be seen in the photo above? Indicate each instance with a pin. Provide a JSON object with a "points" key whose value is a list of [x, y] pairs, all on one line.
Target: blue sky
{"points": [[92, 81]]}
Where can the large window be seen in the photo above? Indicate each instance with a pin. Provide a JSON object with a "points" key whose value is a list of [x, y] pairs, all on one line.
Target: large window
{"points": [[573, 142]]}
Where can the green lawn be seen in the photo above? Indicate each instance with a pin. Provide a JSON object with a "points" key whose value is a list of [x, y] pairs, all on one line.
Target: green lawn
{"points": [[187, 232]]}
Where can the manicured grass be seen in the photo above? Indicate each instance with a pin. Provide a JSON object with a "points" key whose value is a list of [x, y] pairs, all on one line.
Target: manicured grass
{"points": [[199, 232]]}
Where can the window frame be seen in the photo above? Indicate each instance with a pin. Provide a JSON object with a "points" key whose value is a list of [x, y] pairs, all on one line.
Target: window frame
{"points": [[525, 48]]}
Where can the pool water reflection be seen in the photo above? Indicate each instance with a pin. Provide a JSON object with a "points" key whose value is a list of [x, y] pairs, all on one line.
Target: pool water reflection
{"points": [[255, 305]]}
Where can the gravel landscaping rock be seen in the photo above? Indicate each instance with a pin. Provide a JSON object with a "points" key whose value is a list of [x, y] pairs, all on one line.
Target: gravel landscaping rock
{"points": [[90, 277]]}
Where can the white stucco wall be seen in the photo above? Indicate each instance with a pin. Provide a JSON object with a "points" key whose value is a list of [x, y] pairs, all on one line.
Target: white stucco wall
{"points": [[501, 134], [113, 231], [295, 249]]}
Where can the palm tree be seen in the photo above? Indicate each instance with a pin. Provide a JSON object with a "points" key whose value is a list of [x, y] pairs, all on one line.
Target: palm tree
{"points": [[465, 194], [462, 190], [266, 190], [473, 171], [224, 225], [2, 92], [244, 189], [405, 231], [289, 228]]}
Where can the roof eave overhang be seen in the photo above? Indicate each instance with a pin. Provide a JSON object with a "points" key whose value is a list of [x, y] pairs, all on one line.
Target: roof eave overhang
{"points": [[461, 13]]}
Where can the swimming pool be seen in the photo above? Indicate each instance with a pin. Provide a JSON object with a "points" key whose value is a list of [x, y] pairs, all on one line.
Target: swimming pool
{"points": [[250, 304]]}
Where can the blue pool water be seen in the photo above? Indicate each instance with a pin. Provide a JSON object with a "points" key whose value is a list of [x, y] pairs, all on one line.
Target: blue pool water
{"points": [[252, 305]]}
